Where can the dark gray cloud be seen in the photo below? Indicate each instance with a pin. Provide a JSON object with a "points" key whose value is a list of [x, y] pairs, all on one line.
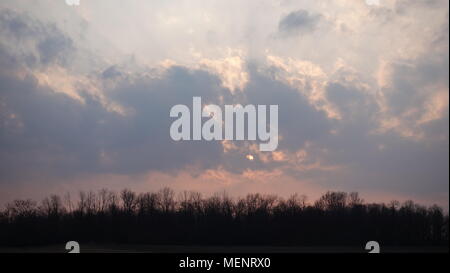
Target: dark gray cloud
{"points": [[33, 41], [403, 6], [382, 162], [58, 135], [417, 88], [62, 137], [299, 22], [47, 133], [111, 73]]}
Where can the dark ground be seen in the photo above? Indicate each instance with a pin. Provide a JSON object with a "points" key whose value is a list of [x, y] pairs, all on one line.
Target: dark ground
{"points": [[95, 248]]}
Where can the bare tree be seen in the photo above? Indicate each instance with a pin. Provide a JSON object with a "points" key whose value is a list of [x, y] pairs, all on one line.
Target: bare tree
{"points": [[21, 208], [394, 205], [129, 201], [68, 202], [332, 201], [82, 203], [196, 202], [183, 201], [227, 204], [166, 198], [53, 206], [103, 200], [148, 203], [354, 200], [91, 203], [296, 202], [113, 202]]}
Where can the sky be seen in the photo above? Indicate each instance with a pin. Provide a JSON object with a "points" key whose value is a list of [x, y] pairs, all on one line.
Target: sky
{"points": [[362, 88]]}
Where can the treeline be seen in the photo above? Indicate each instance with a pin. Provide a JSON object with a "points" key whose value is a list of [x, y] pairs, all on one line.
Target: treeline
{"points": [[164, 217]]}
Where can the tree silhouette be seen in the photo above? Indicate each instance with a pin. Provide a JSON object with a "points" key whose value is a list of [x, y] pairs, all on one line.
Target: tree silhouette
{"points": [[336, 218]]}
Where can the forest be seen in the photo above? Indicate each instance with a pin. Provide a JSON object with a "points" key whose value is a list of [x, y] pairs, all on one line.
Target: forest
{"points": [[189, 218]]}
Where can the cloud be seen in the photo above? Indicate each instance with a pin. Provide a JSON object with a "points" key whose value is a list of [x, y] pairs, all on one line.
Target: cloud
{"points": [[299, 22], [414, 93], [363, 102], [41, 43]]}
